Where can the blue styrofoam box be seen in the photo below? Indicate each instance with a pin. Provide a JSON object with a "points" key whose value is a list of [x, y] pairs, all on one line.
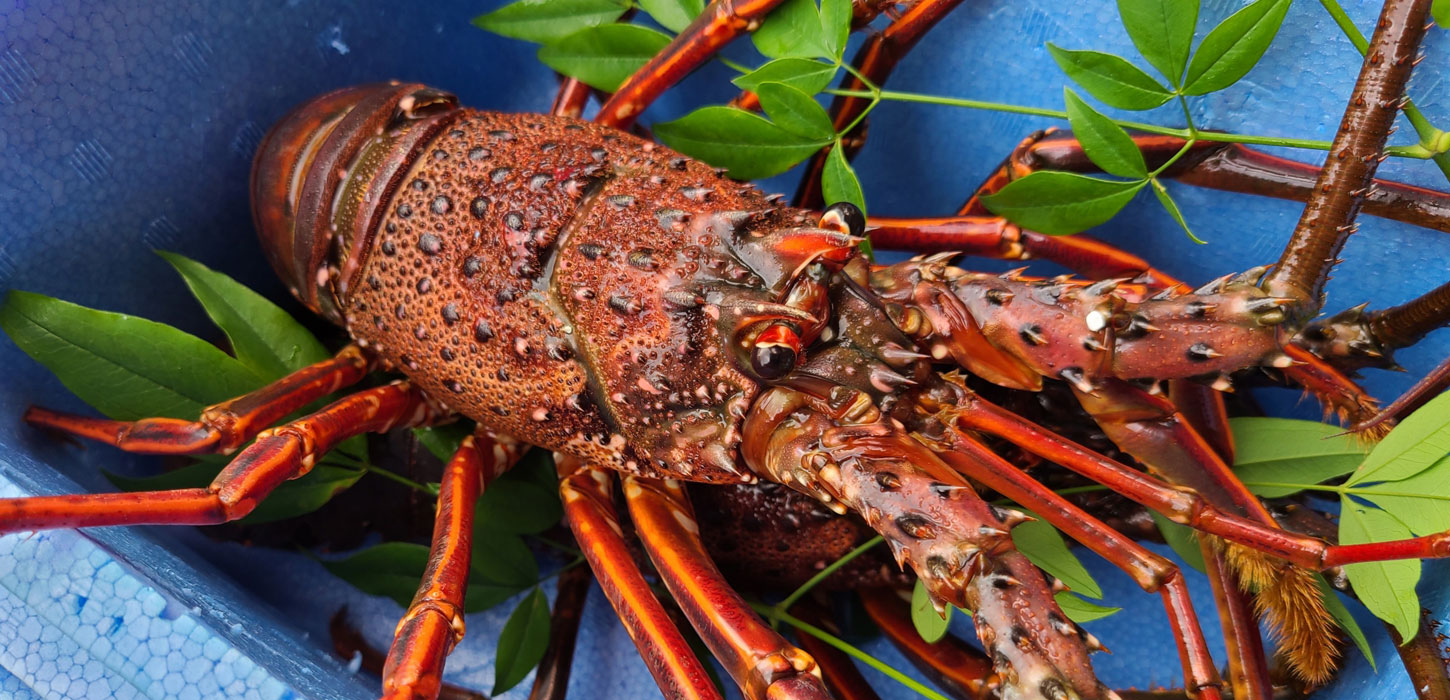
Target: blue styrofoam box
{"points": [[129, 126]]}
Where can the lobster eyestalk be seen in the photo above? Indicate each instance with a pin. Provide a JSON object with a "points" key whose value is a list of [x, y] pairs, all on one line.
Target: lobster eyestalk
{"points": [[846, 453]]}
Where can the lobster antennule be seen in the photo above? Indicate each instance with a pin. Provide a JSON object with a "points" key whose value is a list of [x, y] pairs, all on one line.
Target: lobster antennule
{"points": [[322, 175]]}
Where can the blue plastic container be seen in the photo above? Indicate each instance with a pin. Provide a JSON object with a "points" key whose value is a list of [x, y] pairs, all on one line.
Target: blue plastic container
{"points": [[126, 127]]}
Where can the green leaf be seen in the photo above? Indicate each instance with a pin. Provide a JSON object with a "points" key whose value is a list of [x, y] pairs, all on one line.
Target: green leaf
{"points": [[603, 56], [517, 505], [795, 111], [1105, 143], [1163, 32], [1079, 610], [1416, 443], [1387, 588], [503, 559], [930, 624], [125, 367], [1058, 203], [264, 337], [1440, 10], [443, 440], [804, 74], [1282, 450], [522, 642], [673, 15], [835, 26], [1182, 538], [745, 144], [543, 21], [537, 466], [1230, 51], [1419, 501], [1043, 544], [838, 181], [1172, 207], [394, 570], [792, 29], [1346, 621], [1111, 78]]}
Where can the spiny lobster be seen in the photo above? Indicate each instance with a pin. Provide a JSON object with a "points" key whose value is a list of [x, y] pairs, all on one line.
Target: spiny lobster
{"points": [[575, 287]]}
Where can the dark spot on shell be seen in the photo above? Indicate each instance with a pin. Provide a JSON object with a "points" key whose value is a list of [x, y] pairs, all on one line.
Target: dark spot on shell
{"points": [[499, 174], [478, 207], [598, 154], [420, 185], [454, 386], [501, 135], [430, 244], [500, 410], [1200, 352], [998, 297], [425, 285], [643, 259], [621, 200], [1001, 583], [400, 310], [624, 304], [888, 481], [1052, 689], [547, 146], [502, 374], [514, 220], [505, 296], [557, 350], [389, 248], [440, 154], [1032, 334], [591, 251], [537, 182], [478, 153], [420, 332], [1018, 635], [482, 332], [1196, 309], [441, 204], [472, 266], [678, 163], [782, 546], [405, 211], [696, 194], [450, 314], [446, 354], [374, 282], [407, 361], [916, 525]]}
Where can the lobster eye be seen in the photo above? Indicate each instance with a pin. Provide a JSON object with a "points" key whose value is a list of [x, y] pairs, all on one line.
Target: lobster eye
{"points": [[772, 361], [844, 217]]}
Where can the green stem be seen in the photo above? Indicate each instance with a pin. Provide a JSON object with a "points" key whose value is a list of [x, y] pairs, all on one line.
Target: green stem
{"points": [[1187, 146], [875, 93], [399, 479], [855, 653], [1351, 490], [1187, 118], [558, 545], [1416, 151], [820, 576], [1428, 133]]}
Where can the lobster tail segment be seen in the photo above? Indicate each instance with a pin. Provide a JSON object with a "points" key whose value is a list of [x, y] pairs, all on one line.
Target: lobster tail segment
{"points": [[851, 457]]}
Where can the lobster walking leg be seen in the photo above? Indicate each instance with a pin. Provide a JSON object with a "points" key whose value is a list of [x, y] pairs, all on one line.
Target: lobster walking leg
{"points": [[589, 510], [433, 623], [279, 454], [1152, 572], [721, 22], [838, 670], [1423, 390], [763, 663], [1355, 338], [223, 427]]}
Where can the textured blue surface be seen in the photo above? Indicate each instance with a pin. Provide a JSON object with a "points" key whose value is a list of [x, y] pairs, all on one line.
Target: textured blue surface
{"points": [[129, 126]]}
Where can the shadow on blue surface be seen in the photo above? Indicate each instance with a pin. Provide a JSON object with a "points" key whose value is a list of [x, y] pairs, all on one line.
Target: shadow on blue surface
{"points": [[130, 126]]}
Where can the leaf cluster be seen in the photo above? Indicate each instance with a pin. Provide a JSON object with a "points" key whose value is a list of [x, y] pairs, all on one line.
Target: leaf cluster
{"points": [[1162, 30]]}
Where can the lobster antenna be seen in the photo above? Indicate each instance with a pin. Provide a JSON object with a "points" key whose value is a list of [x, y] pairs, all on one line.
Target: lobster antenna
{"points": [[1349, 169]]}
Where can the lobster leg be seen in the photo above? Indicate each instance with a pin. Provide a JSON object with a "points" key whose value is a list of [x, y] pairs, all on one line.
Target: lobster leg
{"points": [[763, 663], [223, 427], [1423, 390], [1186, 507], [1152, 572], [279, 454], [959, 668], [589, 510], [1355, 338], [842, 677], [721, 22], [433, 623]]}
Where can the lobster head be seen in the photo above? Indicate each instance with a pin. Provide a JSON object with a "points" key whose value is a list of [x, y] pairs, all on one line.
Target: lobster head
{"points": [[322, 172]]}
